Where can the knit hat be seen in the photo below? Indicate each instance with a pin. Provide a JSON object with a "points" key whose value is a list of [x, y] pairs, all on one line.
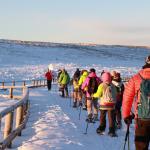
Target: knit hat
{"points": [[106, 77], [115, 75], [92, 70], [147, 60]]}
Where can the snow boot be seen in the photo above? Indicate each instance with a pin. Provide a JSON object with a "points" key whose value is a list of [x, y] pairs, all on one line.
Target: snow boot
{"points": [[89, 118], [111, 132], [95, 117], [84, 107], [80, 104], [74, 104], [119, 125], [100, 130]]}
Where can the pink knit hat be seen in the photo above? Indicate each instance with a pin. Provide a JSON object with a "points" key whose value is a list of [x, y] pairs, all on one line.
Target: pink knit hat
{"points": [[106, 77]]}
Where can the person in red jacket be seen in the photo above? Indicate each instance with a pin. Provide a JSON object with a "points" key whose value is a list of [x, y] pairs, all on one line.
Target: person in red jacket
{"points": [[48, 76], [132, 93]]}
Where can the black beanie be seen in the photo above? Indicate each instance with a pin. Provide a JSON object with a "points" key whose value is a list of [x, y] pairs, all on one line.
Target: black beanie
{"points": [[92, 70]]}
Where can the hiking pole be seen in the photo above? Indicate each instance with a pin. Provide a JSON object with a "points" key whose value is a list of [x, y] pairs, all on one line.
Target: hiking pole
{"points": [[80, 111], [127, 137], [128, 142], [70, 101], [87, 125], [70, 95]]}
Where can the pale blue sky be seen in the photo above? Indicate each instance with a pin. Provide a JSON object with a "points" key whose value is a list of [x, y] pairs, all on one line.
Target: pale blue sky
{"points": [[124, 22]]}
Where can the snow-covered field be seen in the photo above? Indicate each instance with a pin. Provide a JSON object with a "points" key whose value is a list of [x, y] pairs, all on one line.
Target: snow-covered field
{"points": [[53, 124], [29, 61]]}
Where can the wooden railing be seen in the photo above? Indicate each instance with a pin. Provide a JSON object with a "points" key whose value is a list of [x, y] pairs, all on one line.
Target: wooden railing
{"points": [[14, 118], [29, 83]]}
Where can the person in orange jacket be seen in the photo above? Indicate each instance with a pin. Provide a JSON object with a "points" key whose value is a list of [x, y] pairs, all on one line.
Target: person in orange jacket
{"points": [[132, 94], [48, 76]]}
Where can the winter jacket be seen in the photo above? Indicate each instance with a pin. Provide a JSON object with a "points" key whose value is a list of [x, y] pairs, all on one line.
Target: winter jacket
{"points": [[132, 91], [104, 103], [83, 77], [75, 84], [64, 78], [76, 74], [48, 75], [120, 88], [86, 82]]}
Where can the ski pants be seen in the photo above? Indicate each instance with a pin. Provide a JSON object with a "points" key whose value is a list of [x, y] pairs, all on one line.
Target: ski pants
{"points": [[64, 90], [110, 119], [92, 105], [49, 84], [142, 135]]}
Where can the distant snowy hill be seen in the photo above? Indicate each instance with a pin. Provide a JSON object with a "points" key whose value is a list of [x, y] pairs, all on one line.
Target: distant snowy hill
{"points": [[32, 58]]}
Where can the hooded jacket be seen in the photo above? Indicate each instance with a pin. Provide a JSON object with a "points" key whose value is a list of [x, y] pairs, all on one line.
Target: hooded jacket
{"points": [[48, 75], [132, 92], [83, 77], [64, 78]]}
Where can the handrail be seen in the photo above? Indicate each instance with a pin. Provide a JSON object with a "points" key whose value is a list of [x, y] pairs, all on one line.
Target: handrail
{"points": [[17, 81], [22, 109], [18, 111]]}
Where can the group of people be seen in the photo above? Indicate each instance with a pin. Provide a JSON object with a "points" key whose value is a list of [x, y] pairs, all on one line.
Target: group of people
{"points": [[108, 94], [104, 93]]}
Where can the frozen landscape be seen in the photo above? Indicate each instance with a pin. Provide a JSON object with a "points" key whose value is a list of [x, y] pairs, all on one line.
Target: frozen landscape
{"points": [[53, 124]]}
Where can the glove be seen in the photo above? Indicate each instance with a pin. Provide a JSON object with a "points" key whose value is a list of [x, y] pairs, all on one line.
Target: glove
{"points": [[128, 120]]}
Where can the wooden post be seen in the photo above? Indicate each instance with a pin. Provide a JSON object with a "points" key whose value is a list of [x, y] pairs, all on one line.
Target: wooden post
{"points": [[11, 93], [25, 109], [34, 83], [37, 83], [19, 117], [13, 83], [24, 112], [23, 90], [8, 126], [0, 122], [44, 82], [2, 84], [24, 83]]}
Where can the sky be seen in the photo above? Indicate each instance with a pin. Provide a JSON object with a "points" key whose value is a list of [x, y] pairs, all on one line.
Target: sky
{"points": [[77, 21]]}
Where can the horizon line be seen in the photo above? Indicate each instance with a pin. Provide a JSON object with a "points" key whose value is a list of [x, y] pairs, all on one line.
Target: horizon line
{"points": [[72, 43]]}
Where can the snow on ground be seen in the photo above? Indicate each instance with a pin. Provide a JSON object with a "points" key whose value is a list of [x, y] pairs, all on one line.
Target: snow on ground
{"points": [[54, 125], [4, 105]]}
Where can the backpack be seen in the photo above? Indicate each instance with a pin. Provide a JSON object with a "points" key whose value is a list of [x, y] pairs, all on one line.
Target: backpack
{"points": [[92, 85], [144, 103], [68, 78], [76, 75], [107, 93]]}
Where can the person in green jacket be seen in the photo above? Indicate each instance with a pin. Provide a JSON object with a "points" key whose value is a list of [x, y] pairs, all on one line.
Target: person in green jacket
{"points": [[64, 80]]}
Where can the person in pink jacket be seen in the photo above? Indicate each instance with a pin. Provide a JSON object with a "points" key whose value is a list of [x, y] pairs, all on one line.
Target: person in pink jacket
{"points": [[132, 94], [92, 108]]}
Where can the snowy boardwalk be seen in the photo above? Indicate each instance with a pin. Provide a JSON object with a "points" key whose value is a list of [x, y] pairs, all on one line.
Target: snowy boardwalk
{"points": [[54, 125]]}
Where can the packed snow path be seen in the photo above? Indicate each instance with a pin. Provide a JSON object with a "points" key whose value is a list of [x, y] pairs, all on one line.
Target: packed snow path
{"points": [[54, 125]]}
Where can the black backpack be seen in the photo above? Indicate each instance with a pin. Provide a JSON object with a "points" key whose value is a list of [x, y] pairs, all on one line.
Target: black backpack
{"points": [[92, 85]]}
